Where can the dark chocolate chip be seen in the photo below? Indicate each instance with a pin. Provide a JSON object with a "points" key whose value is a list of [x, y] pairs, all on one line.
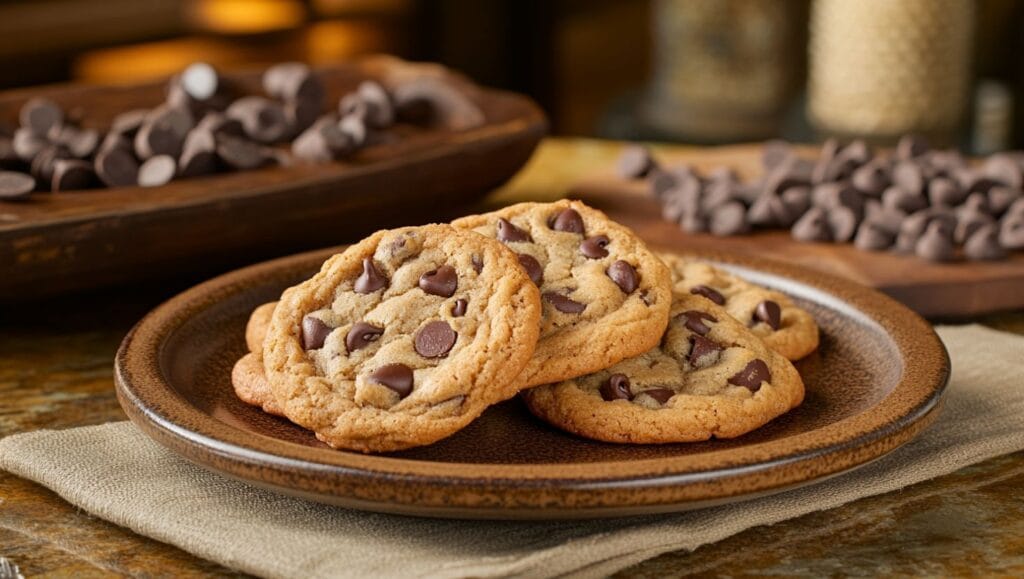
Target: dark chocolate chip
{"points": [[41, 115], [1011, 231], [163, 132], [694, 321], [830, 195], [936, 244], [983, 244], [908, 176], [594, 247], [624, 275], [635, 162], [898, 198], [323, 141], [263, 119], [813, 226], [117, 167], [157, 170], [661, 182], [15, 186], [442, 281], [888, 218], [752, 375], [842, 222], [198, 154], [532, 267], [729, 219], [397, 377], [660, 395], [314, 333], [1000, 198], [361, 335], [371, 279], [380, 112], [873, 237], [945, 192], [242, 153], [220, 124], [508, 232], [71, 174], [563, 303], [291, 81], [710, 293], [128, 123], [616, 387], [568, 220], [1004, 168], [768, 312], [354, 128], [434, 339], [27, 144], [43, 165], [459, 309], [703, 352], [797, 199], [871, 179]]}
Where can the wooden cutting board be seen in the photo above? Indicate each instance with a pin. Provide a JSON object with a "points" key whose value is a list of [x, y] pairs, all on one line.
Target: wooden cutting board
{"points": [[933, 290], [58, 243]]}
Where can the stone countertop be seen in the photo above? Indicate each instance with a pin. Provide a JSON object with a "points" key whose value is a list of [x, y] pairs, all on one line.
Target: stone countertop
{"points": [[56, 372]]}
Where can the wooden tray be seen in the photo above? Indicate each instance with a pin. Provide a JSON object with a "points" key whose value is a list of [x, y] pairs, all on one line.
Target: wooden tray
{"points": [[876, 381], [931, 289], [72, 241]]}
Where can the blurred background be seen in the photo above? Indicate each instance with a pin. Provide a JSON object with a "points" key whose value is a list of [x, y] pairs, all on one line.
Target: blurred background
{"points": [[696, 71]]}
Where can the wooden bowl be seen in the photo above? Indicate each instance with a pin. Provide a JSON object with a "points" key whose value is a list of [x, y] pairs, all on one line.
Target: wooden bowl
{"points": [[876, 381]]}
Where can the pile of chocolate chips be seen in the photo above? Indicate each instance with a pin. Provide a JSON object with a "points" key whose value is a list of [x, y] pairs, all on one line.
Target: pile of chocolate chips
{"points": [[204, 127], [915, 200]]}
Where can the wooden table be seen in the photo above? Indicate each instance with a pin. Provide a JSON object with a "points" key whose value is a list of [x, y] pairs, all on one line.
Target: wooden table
{"points": [[55, 372]]}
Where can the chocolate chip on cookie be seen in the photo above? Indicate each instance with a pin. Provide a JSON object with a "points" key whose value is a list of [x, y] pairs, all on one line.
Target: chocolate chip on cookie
{"points": [[361, 335], [710, 293], [532, 267], [595, 247], [616, 387], [459, 308], [624, 275], [371, 279], [752, 375], [768, 312], [703, 352], [563, 303], [508, 232], [435, 339], [661, 395], [397, 377], [567, 220], [314, 332], [442, 281], [694, 321]]}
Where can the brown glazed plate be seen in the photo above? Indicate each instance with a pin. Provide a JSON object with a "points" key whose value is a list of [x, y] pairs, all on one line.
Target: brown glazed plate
{"points": [[874, 384]]}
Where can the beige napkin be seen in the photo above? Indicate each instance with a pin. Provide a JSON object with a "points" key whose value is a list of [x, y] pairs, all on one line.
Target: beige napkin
{"points": [[116, 473]]}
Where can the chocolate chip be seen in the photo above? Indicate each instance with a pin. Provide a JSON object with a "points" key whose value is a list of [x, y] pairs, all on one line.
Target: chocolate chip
{"points": [[41, 115], [43, 165], [15, 186], [27, 144], [508, 232], [971, 216], [813, 226], [945, 192], [354, 128], [242, 153], [157, 170], [694, 320], [371, 279], [568, 220], [717, 195], [163, 132], [263, 119], [532, 267], [972, 181], [1011, 231], [842, 222], [936, 244], [1000, 198], [908, 176], [80, 142], [1005, 169], [397, 377], [873, 237], [983, 244], [117, 167], [361, 335], [442, 281], [71, 174], [478, 263], [752, 375], [661, 182], [635, 162], [871, 179], [660, 395], [380, 112], [729, 219], [703, 352], [710, 293], [898, 198], [624, 275], [797, 199], [199, 81], [220, 124], [459, 309], [198, 154], [434, 339], [594, 247], [888, 218], [911, 146], [128, 123], [831, 195], [563, 303], [768, 312], [291, 81], [436, 101], [616, 387], [314, 333]]}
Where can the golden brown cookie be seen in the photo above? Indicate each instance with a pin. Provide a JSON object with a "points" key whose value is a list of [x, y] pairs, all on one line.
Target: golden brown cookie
{"points": [[250, 383], [605, 295], [710, 377], [402, 339], [256, 327], [771, 315]]}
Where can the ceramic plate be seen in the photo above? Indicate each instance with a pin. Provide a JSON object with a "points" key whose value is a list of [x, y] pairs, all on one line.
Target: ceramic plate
{"points": [[876, 381]]}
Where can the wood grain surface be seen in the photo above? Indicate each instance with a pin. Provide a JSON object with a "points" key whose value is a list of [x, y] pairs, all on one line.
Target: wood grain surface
{"points": [[934, 290], [55, 243]]}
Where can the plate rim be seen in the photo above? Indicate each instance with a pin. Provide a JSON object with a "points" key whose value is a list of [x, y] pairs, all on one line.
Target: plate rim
{"points": [[336, 475]]}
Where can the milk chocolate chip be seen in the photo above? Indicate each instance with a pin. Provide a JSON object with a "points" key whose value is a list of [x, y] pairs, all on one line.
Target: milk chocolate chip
{"points": [[361, 335], [568, 220], [435, 339], [660, 395], [768, 312], [694, 321], [563, 303], [397, 377], [616, 387], [624, 275], [532, 267], [594, 247], [710, 293], [752, 375], [371, 279], [703, 352], [442, 281], [635, 162], [314, 332], [508, 232], [459, 309]]}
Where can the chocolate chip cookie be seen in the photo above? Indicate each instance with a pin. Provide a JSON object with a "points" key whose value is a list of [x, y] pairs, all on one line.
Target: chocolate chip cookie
{"points": [[770, 315], [710, 377], [402, 339], [250, 383], [605, 295]]}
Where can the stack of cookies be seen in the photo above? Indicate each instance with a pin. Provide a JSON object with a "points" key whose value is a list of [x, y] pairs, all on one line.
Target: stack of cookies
{"points": [[409, 335]]}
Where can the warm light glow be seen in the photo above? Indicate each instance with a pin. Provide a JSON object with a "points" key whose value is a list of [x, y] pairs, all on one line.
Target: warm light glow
{"points": [[146, 61], [245, 16], [336, 40]]}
